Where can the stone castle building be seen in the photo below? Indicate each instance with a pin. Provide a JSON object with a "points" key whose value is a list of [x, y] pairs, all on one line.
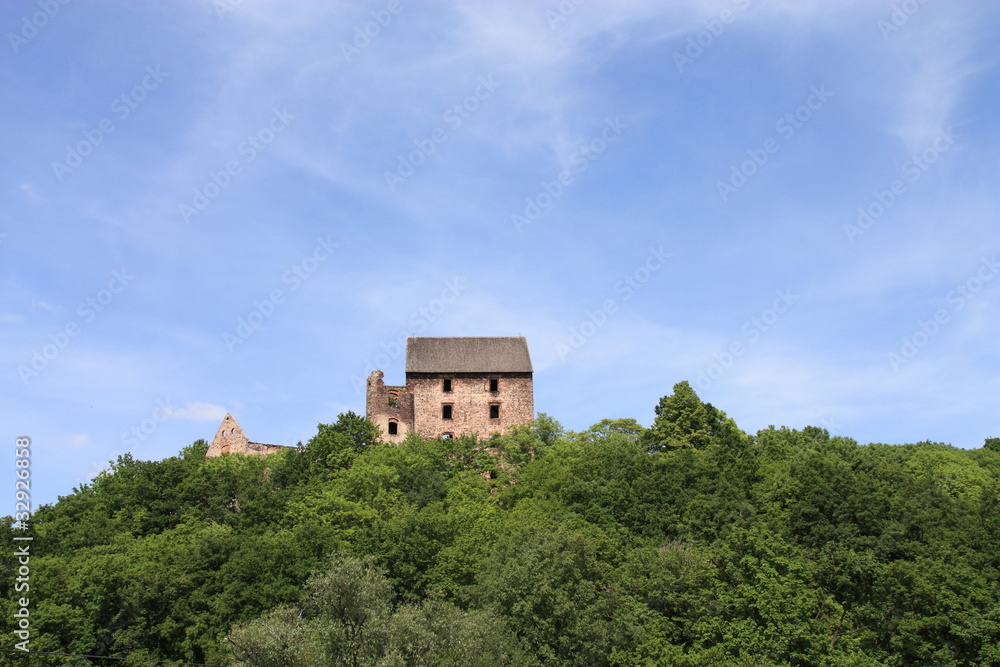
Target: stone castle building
{"points": [[455, 386]]}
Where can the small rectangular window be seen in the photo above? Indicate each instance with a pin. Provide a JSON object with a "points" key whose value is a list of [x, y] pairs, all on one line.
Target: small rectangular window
{"points": [[447, 384], [446, 412], [494, 411], [494, 384]]}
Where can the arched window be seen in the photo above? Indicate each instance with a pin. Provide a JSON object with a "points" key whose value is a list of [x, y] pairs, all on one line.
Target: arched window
{"points": [[393, 428], [447, 435]]}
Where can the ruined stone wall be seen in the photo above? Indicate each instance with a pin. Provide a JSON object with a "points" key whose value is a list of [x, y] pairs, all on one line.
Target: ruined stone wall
{"points": [[230, 439], [261, 448], [245, 447], [470, 399], [382, 411]]}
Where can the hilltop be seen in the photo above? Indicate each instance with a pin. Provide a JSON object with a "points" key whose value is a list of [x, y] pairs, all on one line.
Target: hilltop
{"points": [[688, 543]]}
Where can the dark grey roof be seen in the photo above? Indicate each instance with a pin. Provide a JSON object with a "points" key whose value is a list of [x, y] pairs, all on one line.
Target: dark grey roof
{"points": [[508, 354]]}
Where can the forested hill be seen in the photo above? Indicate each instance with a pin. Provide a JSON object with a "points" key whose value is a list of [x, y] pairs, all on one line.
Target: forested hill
{"points": [[689, 543]]}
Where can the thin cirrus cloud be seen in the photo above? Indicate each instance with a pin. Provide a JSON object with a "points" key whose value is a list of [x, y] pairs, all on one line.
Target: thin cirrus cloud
{"points": [[199, 412]]}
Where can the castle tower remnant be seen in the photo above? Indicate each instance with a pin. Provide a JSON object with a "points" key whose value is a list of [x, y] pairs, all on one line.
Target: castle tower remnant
{"points": [[230, 439]]}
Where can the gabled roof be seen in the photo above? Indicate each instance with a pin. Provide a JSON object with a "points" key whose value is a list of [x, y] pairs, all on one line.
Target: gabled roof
{"points": [[504, 354]]}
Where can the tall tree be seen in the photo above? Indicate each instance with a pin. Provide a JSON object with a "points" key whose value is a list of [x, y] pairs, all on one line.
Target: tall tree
{"points": [[684, 421]]}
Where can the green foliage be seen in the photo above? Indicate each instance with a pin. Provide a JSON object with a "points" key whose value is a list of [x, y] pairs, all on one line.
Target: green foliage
{"points": [[557, 588], [547, 428], [336, 445], [347, 620], [688, 543], [683, 421], [361, 431]]}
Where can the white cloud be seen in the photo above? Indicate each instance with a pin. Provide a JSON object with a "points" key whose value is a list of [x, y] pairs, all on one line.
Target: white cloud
{"points": [[74, 441], [354, 119], [29, 191], [200, 412]]}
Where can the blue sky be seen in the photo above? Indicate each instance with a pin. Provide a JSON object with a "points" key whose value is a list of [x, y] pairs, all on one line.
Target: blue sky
{"points": [[245, 206]]}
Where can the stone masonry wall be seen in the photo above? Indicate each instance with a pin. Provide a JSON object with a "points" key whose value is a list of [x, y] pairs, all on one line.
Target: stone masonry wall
{"points": [[470, 399], [230, 439], [380, 411]]}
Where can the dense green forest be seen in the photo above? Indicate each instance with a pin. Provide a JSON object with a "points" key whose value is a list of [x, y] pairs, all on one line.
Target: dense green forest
{"points": [[688, 543]]}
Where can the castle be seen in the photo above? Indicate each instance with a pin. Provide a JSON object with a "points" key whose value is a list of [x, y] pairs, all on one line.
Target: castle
{"points": [[455, 386]]}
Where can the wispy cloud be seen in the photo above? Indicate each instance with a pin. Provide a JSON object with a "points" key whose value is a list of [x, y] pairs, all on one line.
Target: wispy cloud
{"points": [[74, 441], [29, 191], [933, 53], [199, 412], [562, 70]]}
